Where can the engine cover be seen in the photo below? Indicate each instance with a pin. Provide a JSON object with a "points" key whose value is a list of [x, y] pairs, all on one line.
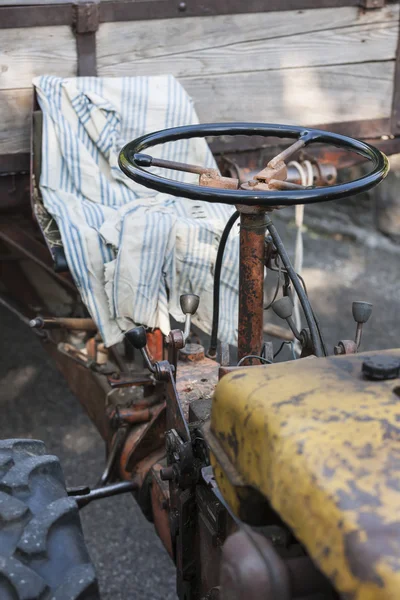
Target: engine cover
{"points": [[319, 441]]}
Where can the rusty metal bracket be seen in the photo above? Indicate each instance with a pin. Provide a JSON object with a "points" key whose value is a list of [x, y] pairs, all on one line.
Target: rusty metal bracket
{"points": [[85, 24]]}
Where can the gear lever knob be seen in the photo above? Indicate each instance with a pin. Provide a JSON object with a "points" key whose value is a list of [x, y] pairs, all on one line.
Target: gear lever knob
{"points": [[361, 311], [137, 337], [189, 303], [283, 307]]}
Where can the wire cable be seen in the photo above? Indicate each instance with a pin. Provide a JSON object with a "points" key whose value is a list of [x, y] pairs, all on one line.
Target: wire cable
{"points": [[324, 346], [249, 356], [297, 286], [212, 350]]}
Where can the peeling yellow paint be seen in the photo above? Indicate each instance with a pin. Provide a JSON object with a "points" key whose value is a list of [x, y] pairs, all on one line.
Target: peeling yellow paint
{"points": [[322, 444]]}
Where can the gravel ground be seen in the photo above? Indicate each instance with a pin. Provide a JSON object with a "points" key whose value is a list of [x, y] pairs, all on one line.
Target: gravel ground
{"points": [[36, 402]]}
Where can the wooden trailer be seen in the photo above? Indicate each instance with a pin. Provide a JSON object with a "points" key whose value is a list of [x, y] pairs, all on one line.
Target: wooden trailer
{"points": [[327, 63]]}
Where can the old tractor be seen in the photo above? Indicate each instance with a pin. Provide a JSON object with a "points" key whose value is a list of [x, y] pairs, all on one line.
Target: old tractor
{"points": [[264, 480]]}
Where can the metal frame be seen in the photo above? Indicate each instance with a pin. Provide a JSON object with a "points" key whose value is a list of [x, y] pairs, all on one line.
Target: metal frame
{"points": [[42, 14]]}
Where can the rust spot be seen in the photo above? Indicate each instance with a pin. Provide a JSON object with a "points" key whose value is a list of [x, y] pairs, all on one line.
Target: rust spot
{"points": [[233, 441], [294, 400], [238, 376]]}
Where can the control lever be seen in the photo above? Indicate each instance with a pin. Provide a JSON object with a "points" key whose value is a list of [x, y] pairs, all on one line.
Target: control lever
{"points": [[361, 314], [283, 308], [138, 339], [189, 305]]}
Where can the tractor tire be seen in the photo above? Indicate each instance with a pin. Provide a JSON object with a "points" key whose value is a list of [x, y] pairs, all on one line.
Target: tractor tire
{"points": [[42, 551]]}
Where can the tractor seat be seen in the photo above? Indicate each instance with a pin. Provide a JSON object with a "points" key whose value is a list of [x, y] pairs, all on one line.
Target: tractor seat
{"points": [[321, 442]]}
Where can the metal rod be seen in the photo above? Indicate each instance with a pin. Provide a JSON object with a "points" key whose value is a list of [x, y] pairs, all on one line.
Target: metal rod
{"points": [[145, 160], [119, 439], [9, 305], [251, 283], [113, 489], [277, 184], [63, 323], [297, 286], [358, 337], [285, 154]]}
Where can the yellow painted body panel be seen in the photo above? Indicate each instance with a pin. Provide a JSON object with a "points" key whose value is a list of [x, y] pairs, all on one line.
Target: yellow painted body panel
{"points": [[323, 445]]}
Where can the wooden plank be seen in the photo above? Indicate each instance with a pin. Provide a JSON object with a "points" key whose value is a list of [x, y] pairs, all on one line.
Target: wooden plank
{"points": [[298, 96], [251, 42], [15, 115], [303, 96], [24, 54]]}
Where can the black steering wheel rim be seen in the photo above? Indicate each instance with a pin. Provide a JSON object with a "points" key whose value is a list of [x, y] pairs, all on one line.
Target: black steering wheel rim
{"points": [[266, 199]]}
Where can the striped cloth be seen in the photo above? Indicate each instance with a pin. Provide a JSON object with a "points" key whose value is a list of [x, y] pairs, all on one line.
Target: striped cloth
{"points": [[132, 251]]}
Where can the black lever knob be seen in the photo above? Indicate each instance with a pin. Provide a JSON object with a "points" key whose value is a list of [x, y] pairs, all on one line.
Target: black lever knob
{"points": [[361, 311], [137, 337]]}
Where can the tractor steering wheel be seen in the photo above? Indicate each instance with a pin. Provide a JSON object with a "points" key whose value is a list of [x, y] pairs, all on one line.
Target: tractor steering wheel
{"points": [[130, 161]]}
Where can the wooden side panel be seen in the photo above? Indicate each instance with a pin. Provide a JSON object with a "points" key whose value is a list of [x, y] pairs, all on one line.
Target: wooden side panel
{"points": [[312, 67], [28, 52], [24, 54], [299, 96], [15, 115]]}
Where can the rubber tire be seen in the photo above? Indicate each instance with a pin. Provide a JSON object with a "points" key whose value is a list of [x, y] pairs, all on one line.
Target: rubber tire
{"points": [[43, 555]]}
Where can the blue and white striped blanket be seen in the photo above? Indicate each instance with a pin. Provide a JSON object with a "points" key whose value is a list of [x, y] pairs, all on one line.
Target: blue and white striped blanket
{"points": [[131, 251]]}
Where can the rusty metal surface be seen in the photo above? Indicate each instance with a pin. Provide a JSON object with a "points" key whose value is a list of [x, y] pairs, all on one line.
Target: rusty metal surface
{"points": [[83, 324], [155, 344], [142, 440], [192, 353], [251, 284], [90, 388], [196, 382]]}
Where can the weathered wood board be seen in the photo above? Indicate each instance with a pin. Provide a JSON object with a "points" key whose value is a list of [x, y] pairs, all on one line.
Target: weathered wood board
{"points": [[314, 67], [15, 112], [311, 67], [28, 52]]}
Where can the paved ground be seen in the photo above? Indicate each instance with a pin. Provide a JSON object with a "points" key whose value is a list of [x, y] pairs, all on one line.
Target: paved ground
{"points": [[35, 402]]}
